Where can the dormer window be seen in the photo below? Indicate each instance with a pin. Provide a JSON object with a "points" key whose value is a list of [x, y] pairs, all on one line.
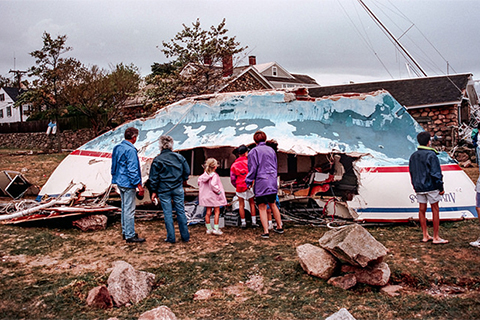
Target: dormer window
{"points": [[2, 97], [274, 71]]}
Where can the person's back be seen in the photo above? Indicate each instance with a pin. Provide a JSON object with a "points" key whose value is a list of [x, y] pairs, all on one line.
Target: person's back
{"points": [[125, 165], [425, 172], [427, 181], [170, 169], [126, 174], [168, 172], [262, 169], [238, 173]]}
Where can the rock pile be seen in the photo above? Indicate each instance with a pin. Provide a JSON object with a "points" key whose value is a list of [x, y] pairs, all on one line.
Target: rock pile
{"points": [[351, 252]]}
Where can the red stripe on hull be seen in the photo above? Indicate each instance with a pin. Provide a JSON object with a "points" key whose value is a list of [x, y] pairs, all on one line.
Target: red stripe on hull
{"points": [[98, 154], [445, 167]]}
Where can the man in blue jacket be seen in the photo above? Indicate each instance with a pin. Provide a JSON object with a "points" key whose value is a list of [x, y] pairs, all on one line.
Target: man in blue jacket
{"points": [[127, 176], [427, 180], [168, 173]]}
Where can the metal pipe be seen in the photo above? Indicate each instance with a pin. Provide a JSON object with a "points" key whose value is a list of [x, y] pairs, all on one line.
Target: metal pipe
{"points": [[28, 211], [37, 208]]}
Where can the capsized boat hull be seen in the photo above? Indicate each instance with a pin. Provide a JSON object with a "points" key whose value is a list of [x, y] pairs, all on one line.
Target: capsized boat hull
{"points": [[374, 129]]}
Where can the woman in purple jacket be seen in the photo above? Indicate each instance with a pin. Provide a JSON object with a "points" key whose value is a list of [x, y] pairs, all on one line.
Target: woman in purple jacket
{"points": [[262, 169]]}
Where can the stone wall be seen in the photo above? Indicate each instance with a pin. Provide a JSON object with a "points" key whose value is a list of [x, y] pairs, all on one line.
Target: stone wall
{"points": [[69, 140], [441, 121]]}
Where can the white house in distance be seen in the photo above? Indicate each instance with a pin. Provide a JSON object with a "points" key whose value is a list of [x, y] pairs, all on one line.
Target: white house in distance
{"points": [[281, 78], [8, 112]]}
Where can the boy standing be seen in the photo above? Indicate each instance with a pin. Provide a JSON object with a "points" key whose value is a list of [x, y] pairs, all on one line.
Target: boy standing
{"points": [[427, 180]]}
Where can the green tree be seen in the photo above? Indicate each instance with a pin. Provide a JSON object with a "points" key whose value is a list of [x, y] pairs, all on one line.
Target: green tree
{"points": [[5, 82], [197, 56], [52, 73], [101, 95]]}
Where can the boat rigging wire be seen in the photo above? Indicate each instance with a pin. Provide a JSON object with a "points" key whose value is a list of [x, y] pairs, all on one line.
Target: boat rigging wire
{"points": [[392, 37], [367, 43], [427, 58]]}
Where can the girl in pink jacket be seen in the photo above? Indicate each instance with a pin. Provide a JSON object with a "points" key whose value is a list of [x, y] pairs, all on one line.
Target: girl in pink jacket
{"points": [[211, 194]]}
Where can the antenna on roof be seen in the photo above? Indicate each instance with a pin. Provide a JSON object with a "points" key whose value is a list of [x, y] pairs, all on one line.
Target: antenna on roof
{"points": [[392, 36]]}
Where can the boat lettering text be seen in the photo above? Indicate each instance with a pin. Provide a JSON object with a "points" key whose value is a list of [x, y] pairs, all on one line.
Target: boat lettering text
{"points": [[446, 197]]}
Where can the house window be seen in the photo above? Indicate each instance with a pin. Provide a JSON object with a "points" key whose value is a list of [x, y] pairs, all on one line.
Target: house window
{"points": [[1, 114], [9, 111], [2, 97], [274, 71]]}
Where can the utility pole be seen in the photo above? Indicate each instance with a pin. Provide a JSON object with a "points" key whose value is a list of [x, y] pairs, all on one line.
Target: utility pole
{"points": [[18, 76]]}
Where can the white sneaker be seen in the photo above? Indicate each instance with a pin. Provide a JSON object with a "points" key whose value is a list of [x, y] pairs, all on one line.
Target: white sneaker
{"points": [[270, 227], [209, 231], [475, 243], [217, 232]]}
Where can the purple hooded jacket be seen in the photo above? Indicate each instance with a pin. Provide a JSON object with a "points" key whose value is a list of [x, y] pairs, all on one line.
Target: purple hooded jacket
{"points": [[262, 168]]}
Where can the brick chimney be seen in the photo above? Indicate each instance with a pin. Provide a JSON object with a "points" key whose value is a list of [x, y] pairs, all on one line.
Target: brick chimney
{"points": [[252, 60], [207, 60], [227, 62]]}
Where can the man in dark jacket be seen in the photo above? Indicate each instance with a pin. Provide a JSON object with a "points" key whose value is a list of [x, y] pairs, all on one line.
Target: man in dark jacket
{"points": [[168, 172], [427, 180]]}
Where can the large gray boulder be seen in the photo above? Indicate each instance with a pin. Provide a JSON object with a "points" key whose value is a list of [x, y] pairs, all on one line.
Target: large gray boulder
{"points": [[160, 313], [354, 245], [127, 285], [375, 275], [316, 261]]}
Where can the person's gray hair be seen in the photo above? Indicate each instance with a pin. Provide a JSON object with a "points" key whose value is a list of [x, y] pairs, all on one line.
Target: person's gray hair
{"points": [[166, 142]]}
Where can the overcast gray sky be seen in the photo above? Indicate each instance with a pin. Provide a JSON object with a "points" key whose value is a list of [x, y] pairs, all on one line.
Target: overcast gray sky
{"points": [[334, 41]]}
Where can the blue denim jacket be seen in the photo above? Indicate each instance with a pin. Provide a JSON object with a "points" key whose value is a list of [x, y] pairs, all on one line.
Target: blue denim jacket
{"points": [[425, 171], [125, 165]]}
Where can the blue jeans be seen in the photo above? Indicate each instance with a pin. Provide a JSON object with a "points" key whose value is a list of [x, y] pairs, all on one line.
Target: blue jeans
{"points": [[128, 211], [177, 196]]}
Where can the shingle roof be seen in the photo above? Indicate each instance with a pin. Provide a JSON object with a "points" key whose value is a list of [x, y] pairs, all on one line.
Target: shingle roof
{"points": [[305, 78], [298, 78], [12, 92], [408, 92]]}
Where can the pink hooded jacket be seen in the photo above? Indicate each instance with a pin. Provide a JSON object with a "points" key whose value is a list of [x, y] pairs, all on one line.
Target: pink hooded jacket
{"points": [[211, 192]]}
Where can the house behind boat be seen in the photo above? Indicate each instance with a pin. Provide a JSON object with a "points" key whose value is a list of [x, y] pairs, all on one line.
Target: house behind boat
{"points": [[441, 105]]}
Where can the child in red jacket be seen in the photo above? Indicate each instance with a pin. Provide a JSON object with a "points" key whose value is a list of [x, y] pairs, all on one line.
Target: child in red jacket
{"points": [[238, 173]]}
